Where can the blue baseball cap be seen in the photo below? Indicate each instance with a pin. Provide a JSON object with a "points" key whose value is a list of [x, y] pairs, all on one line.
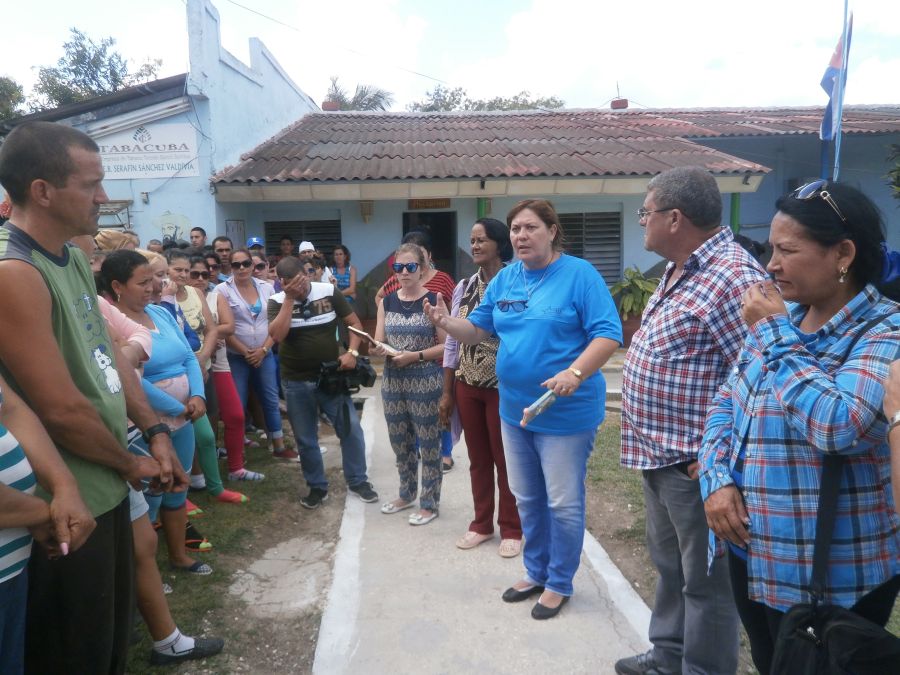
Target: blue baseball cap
{"points": [[255, 241]]}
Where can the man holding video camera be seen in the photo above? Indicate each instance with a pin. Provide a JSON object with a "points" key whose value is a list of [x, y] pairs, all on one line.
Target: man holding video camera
{"points": [[303, 319]]}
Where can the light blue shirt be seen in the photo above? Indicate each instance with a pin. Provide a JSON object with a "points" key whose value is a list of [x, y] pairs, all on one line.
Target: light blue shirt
{"points": [[568, 307]]}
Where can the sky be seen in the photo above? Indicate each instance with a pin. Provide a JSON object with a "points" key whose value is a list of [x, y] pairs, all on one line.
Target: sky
{"points": [[656, 53]]}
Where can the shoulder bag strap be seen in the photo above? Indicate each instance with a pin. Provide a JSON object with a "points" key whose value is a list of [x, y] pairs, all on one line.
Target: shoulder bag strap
{"points": [[828, 496]]}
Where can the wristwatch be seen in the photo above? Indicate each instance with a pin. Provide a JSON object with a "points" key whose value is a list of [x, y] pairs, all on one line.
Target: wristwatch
{"points": [[265, 349], [421, 357], [894, 421], [154, 430], [576, 373], [353, 353]]}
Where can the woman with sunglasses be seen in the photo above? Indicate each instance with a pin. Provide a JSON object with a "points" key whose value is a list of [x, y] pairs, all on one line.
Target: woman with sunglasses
{"points": [[808, 383], [411, 385], [249, 348], [230, 410], [470, 387], [261, 268], [557, 326]]}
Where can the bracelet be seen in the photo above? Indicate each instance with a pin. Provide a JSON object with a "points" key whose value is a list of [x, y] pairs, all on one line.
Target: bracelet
{"points": [[894, 421], [421, 357], [154, 430], [265, 349], [577, 373]]}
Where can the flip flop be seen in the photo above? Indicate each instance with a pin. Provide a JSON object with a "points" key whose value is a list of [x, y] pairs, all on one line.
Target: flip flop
{"points": [[391, 507], [201, 569], [419, 519]]}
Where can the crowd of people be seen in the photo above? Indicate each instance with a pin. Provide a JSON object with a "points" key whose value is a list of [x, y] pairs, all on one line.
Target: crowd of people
{"points": [[117, 367]]}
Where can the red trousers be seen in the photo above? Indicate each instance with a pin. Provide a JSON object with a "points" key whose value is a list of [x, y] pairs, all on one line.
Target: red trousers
{"points": [[231, 412], [479, 411]]}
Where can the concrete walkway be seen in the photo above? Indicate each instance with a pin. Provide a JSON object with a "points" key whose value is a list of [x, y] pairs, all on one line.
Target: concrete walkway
{"points": [[405, 600]]}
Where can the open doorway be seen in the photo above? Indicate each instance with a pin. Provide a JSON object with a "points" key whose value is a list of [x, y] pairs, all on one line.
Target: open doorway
{"points": [[441, 227]]}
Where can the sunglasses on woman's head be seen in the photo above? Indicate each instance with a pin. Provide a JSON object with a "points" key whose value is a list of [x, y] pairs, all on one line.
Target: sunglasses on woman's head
{"points": [[243, 263], [410, 267], [818, 189], [259, 267], [197, 274]]}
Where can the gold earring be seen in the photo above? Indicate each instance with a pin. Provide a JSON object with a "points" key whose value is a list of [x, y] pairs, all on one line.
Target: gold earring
{"points": [[842, 277]]}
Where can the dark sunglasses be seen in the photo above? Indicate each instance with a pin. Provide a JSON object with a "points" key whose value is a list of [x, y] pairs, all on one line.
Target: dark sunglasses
{"points": [[410, 267], [215, 267], [243, 263], [516, 305], [309, 271], [259, 267], [818, 189], [197, 274]]}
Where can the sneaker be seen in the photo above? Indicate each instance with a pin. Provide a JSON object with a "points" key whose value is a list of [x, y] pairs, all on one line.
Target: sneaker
{"points": [[203, 647], [285, 454], [365, 492], [231, 497], [221, 453], [315, 498], [245, 474], [193, 510], [642, 664]]}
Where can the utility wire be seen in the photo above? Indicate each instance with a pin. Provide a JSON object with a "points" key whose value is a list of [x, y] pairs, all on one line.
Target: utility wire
{"points": [[348, 49]]}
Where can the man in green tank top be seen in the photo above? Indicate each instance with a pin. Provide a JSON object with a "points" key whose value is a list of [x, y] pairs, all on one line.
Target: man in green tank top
{"points": [[55, 351]]}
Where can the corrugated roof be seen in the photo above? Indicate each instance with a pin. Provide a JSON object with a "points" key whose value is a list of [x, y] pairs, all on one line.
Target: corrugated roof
{"points": [[354, 146]]}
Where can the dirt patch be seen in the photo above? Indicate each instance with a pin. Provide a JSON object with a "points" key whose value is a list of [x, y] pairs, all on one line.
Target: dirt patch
{"points": [[273, 563]]}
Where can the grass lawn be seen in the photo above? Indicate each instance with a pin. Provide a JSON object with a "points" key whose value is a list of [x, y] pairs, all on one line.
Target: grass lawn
{"points": [[240, 535]]}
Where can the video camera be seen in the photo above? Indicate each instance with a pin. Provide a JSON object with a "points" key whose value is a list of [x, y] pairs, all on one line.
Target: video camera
{"points": [[333, 381]]}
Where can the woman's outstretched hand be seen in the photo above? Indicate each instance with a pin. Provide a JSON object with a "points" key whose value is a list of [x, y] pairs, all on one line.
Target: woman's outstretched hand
{"points": [[438, 313]]}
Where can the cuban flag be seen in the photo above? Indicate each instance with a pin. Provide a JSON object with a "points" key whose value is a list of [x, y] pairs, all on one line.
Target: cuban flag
{"points": [[833, 82]]}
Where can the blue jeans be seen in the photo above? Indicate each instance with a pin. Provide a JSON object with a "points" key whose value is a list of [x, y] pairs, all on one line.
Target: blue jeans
{"points": [[264, 381], [303, 402], [546, 475], [13, 593]]}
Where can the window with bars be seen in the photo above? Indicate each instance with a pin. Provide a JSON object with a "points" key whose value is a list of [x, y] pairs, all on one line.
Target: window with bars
{"points": [[324, 234], [597, 238]]}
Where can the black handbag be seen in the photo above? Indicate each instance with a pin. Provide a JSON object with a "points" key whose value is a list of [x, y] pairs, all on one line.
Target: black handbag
{"points": [[817, 638]]}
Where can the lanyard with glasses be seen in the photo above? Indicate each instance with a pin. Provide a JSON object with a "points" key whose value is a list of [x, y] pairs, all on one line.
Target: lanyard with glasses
{"points": [[818, 189]]}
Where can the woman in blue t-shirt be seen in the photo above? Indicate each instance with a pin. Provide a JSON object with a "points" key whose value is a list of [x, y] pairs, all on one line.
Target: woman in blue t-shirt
{"points": [[557, 326]]}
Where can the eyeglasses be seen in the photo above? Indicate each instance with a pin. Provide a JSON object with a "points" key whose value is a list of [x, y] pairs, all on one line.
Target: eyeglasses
{"points": [[197, 274], [246, 264], [517, 306], [214, 267], [410, 267], [643, 213], [259, 267], [817, 189], [309, 271]]}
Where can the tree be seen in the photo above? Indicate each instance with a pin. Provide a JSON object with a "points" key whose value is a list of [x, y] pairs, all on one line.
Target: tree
{"points": [[366, 97], [87, 69], [443, 99], [11, 98]]}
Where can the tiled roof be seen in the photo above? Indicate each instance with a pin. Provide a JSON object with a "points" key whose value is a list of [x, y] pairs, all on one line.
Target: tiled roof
{"points": [[355, 146]]}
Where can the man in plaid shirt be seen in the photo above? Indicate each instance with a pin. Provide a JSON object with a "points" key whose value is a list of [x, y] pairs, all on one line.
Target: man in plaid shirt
{"points": [[690, 334]]}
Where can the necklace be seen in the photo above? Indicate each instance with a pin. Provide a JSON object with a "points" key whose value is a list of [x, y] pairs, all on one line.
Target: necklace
{"points": [[408, 304], [530, 291]]}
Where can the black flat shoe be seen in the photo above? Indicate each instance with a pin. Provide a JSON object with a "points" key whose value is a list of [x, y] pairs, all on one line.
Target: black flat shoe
{"points": [[515, 595], [541, 612]]}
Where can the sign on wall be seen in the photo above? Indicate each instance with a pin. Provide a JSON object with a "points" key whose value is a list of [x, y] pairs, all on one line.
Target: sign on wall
{"points": [[150, 151]]}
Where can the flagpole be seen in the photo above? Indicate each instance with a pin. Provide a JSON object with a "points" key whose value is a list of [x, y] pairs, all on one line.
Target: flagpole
{"points": [[842, 81]]}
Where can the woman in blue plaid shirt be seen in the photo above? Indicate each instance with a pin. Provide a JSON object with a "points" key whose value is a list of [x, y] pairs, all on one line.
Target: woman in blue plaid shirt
{"points": [[795, 395]]}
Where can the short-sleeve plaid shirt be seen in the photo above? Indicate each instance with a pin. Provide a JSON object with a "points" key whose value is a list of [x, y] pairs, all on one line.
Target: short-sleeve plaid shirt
{"points": [[791, 398], [688, 339]]}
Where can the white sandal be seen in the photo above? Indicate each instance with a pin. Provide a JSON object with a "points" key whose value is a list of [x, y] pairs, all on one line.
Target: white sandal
{"points": [[391, 507], [419, 519]]}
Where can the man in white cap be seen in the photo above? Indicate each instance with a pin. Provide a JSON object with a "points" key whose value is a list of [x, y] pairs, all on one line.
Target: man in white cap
{"points": [[306, 246]]}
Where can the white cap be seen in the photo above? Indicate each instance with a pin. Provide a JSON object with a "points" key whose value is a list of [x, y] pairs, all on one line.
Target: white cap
{"points": [[305, 246]]}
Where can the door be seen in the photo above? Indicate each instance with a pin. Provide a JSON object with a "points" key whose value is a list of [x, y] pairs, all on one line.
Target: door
{"points": [[441, 228]]}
